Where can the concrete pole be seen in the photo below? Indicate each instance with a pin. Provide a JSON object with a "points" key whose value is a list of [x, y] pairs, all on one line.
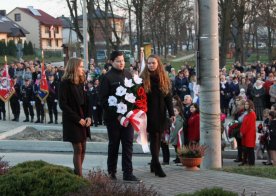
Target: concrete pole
{"points": [[85, 46], [210, 133]]}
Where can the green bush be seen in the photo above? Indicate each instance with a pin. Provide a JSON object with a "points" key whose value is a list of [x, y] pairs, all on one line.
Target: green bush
{"points": [[40, 178], [211, 192]]}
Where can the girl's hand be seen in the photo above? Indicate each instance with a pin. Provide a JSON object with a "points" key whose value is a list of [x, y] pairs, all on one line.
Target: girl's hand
{"points": [[172, 119], [82, 122], [88, 122]]}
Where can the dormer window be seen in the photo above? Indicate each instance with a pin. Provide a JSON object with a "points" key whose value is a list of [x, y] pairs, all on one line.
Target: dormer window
{"points": [[17, 17]]}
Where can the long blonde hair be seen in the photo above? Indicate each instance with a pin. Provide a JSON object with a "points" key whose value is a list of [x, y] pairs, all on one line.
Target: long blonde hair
{"points": [[164, 81], [71, 69]]}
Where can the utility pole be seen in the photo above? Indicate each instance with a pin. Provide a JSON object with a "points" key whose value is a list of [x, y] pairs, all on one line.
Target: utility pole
{"points": [[85, 46], [208, 43]]}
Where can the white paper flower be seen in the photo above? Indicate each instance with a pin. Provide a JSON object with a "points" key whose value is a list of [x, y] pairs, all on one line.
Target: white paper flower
{"points": [[137, 79], [120, 91], [130, 97], [112, 101], [128, 83], [121, 108]]}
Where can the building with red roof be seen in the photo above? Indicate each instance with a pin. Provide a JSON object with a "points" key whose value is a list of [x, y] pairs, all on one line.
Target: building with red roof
{"points": [[45, 31]]}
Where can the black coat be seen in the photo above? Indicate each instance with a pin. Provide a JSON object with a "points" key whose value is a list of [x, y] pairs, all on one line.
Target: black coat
{"points": [[158, 104], [70, 104], [110, 81]]}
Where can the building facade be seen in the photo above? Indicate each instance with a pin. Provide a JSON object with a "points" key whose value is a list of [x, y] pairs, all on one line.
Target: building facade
{"points": [[45, 30]]}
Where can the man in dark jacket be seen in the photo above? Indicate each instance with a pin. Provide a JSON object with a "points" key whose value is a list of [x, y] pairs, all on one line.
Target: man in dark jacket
{"points": [[116, 132], [52, 98]]}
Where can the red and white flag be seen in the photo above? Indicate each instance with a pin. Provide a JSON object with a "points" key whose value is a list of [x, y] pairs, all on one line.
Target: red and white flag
{"points": [[43, 84], [6, 85], [142, 61]]}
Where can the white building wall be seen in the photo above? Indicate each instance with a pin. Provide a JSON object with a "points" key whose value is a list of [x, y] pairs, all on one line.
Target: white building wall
{"points": [[30, 24]]}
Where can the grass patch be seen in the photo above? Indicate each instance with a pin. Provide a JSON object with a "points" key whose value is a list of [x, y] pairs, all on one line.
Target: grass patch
{"points": [[266, 172]]}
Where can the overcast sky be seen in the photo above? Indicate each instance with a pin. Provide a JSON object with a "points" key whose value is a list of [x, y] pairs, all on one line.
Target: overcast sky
{"points": [[53, 7]]}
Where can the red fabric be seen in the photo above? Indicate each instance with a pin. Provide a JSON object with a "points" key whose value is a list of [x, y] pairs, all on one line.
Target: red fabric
{"points": [[193, 127], [248, 130], [267, 85], [43, 80]]}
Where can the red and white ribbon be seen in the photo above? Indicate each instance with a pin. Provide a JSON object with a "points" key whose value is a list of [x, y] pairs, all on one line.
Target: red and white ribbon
{"points": [[179, 138], [138, 120], [124, 121]]}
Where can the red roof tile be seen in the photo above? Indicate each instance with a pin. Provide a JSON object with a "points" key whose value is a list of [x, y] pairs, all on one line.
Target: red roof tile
{"points": [[45, 18]]}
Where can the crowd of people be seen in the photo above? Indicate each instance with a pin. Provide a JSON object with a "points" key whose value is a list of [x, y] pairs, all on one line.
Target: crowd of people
{"points": [[247, 94]]}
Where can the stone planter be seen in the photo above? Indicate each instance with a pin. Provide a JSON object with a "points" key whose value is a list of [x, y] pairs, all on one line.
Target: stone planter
{"points": [[191, 163]]}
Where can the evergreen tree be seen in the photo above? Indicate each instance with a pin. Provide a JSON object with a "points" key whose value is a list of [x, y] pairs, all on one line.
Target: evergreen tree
{"points": [[30, 48], [25, 49], [11, 48], [3, 48]]}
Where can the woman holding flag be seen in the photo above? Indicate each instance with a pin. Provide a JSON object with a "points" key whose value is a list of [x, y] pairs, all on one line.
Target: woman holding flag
{"points": [[158, 88]]}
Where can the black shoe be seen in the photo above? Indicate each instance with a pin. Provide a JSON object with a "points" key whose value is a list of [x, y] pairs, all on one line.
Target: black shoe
{"points": [[26, 120], [242, 164], [177, 160], [151, 168], [131, 178], [112, 176], [32, 119], [159, 171], [266, 163], [56, 122], [165, 163], [38, 121], [50, 122], [237, 160], [14, 119]]}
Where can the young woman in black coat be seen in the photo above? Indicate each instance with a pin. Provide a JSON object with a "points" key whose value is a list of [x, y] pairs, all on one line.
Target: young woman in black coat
{"points": [[74, 104], [158, 88]]}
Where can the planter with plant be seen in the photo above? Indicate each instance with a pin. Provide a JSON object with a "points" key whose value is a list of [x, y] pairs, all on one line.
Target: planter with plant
{"points": [[191, 155]]}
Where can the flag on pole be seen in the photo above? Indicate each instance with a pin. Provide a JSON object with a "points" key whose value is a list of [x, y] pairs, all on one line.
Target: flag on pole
{"points": [[179, 138], [142, 61], [6, 84], [43, 84]]}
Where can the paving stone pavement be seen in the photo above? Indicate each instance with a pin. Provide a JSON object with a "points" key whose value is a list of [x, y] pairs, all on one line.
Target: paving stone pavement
{"points": [[178, 180]]}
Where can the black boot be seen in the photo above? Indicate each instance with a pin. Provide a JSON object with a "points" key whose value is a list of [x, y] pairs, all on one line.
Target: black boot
{"points": [[159, 171], [4, 117], [27, 119], [151, 167], [38, 120], [17, 118], [42, 119], [32, 119]]}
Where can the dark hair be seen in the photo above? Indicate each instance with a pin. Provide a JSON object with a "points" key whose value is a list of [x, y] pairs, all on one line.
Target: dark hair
{"points": [[251, 105], [115, 54], [272, 114], [196, 107]]}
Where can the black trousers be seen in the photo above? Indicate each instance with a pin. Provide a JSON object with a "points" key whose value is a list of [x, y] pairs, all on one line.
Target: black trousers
{"points": [[52, 108], [155, 143], [15, 106], [97, 115], [2, 108], [248, 155], [39, 110], [165, 152], [28, 109], [117, 134], [240, 148]]}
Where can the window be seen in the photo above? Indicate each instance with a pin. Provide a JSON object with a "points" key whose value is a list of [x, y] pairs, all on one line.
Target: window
{"points": [[56, 30], [17, 17], [49, 43], [57, 42], [47, 30]]}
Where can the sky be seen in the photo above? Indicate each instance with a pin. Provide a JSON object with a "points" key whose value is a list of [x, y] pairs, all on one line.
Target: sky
{"points": [[53, 7]]}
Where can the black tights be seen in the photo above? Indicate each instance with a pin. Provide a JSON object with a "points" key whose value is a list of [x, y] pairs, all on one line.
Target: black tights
{"points": [[155, 142], [78, 157]]}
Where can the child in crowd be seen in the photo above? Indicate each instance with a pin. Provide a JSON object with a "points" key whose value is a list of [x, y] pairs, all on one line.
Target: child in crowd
{"points": [[177, 136], [262, 130]]}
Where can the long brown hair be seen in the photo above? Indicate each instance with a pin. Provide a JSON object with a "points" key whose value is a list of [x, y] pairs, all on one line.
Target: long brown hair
{"points": [[70, 72], [164, 81]]}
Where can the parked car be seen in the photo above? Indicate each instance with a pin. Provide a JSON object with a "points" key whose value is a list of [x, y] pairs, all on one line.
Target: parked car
{"points": [[101, 55]]}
